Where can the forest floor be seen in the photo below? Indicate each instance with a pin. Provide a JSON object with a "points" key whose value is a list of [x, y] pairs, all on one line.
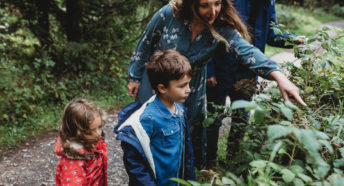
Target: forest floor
{"points": [[34, 163]]}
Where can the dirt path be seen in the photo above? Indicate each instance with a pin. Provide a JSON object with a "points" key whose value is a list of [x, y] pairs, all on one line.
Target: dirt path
{"points": [[35, 162]]}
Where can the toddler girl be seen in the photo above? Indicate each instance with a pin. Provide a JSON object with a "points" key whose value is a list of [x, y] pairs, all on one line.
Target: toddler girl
{"points": [[81, 146]]}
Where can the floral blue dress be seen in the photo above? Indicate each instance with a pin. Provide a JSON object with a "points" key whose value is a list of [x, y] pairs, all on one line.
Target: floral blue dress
{"points": [[168, 31]]}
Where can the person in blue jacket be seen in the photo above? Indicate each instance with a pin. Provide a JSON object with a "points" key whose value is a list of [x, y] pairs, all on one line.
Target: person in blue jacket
{"points": [[156, 138], [227, 77]]}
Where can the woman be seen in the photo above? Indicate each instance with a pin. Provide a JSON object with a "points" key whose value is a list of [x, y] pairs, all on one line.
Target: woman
{"points": [[224, 74], [198, 29]]}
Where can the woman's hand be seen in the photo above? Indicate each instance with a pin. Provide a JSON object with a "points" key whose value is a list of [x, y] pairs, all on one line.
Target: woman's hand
{"points": [[289, 91], [212, 81], [133, 88], [300, 40]]}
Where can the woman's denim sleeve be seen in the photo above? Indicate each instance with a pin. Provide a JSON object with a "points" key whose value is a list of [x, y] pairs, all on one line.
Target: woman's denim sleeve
{"points": [[147, 43], [249, 55]]}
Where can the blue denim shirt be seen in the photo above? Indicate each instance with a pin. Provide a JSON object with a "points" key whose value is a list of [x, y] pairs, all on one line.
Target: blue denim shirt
{"points": [[166, 132]]}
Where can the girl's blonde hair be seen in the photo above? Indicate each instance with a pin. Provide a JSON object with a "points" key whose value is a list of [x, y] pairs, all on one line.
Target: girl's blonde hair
{"points": [[227, 16], [75, 125]]}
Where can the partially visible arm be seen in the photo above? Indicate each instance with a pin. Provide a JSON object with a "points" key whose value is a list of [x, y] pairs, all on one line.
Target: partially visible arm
{"points": [[255, 60], [288, 89], [249, 56], [137, 168], [145, 49], [211, 79], [277, 40]]}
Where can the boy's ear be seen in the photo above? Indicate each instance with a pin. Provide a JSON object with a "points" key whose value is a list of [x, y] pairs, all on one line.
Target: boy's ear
{"points": [[161, 88]]}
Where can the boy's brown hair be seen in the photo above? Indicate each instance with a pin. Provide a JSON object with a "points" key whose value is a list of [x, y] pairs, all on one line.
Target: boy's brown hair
{"points": [[166, 66], [78, 115]]}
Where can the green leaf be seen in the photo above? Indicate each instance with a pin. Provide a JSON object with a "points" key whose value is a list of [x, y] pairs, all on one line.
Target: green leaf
{"points": [[5, 116], [244, 104], [297, 169], [218, 182], [258, 163], [194, 183], [207, 122], [287, 123], [336, 179], [341, 150], [276, 147], [287, 112], [338, 163], [275, 166], [205, 184], [325, 28], [321, 135], [227, 181], [291, 105], [298, 182], [180, 181], [322, 169], [304, 177], [235, 178], [277, 131], [282, 151], [328, 145], [259, 115], [325, 46], [287, 175], [319, 183], [265, 96], [339, 171]]}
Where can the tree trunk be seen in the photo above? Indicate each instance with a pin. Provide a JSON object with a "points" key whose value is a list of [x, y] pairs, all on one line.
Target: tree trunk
{"points": [[73, 18], [43, 21]]}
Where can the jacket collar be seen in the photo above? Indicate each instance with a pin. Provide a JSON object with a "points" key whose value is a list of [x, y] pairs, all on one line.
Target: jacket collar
{"points": [[164, 110]]}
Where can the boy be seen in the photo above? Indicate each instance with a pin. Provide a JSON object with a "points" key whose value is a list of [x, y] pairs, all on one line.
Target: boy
{"points": [[155, 138]]}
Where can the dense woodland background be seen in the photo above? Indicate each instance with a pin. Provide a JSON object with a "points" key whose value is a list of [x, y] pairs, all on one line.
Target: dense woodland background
{"points": [[55, 50]]}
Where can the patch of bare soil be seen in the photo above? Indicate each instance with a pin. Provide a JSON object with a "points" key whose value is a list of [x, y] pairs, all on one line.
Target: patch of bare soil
{"points": [[35, 162]]}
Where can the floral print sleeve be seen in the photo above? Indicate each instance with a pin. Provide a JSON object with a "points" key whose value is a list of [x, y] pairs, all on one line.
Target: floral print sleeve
{"points": [[250, 56], [148, 43]]}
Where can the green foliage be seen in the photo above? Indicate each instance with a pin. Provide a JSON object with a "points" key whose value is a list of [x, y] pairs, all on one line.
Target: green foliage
{"points": [[338, 10], [284, 144], [312, 4], [48, 65], [300, 21]]}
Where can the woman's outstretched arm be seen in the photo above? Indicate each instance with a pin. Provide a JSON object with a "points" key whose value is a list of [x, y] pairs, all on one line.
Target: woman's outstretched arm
{"points": [[288, 89]]}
